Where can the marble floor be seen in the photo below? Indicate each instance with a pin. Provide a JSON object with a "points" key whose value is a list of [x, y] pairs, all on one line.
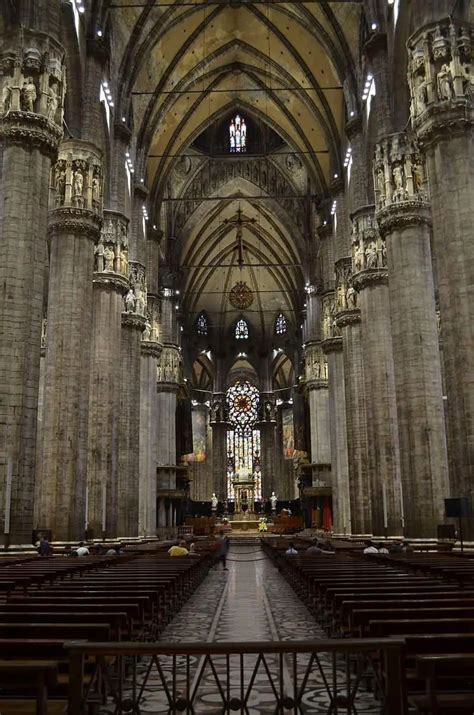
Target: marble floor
{"points": [[250, 601]]}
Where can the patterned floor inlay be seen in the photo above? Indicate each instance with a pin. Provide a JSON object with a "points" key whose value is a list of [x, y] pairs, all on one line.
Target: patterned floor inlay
{"points": [[250, 602]]}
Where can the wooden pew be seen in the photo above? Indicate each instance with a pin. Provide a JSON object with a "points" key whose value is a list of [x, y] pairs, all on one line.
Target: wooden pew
{"points": [[36, 675]]}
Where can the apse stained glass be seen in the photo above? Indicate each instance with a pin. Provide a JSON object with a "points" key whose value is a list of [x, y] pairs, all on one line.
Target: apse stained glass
{"points": [[243, 440], [241, 330], [201, 325], [280, 325], [237, 134]]}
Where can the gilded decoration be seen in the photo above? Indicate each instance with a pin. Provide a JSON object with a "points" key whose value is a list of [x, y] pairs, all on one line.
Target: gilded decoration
{"points": [[241, 296], [440, 75]]}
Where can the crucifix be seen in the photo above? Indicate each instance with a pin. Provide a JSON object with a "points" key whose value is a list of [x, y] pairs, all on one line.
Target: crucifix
{"points": [[239, 222]]}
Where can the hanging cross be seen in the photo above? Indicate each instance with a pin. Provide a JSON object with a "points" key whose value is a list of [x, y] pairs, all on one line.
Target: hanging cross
{"points": [[239, 222]]}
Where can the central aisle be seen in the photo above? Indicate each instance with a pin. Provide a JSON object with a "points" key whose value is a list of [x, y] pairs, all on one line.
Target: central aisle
{"points": [[249, 602]]}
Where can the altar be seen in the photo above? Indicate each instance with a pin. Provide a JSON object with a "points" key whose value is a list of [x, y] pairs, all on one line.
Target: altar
{"points": [[243, 483]]}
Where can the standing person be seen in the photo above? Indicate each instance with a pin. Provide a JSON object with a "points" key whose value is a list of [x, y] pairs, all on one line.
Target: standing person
{"points": [[223, 551], [44, 547]]}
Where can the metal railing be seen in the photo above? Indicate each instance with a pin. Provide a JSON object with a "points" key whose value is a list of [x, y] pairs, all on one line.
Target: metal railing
{"points": [[336, 677]]}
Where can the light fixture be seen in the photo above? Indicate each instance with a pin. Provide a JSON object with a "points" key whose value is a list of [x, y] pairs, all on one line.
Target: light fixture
{"points": [[324, 224], [352, 113], [348, 157], [176, 292], [81, 8], [333, 207], [123, 119], [374, 26], [107, 93], [154, 226], [336, 176], [99, 33]]}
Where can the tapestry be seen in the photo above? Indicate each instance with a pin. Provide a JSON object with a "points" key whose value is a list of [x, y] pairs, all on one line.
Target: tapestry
{"points": [[287, 433]]}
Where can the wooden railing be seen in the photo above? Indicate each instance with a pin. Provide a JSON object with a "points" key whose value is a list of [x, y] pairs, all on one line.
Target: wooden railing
{"points": [[337, 676]]}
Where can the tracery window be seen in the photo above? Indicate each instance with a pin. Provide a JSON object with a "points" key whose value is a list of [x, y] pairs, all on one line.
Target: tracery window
{"points": [[243, 440], [241, 330], [281, 325], [237, 134], [201, 325]]}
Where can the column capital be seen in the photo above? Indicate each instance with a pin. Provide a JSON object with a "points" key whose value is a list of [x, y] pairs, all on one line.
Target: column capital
{"points": [[401, 183], [80, 222], [33, 90], [168, 370], [132, 320], [376, 42], [354, 126], [123, 132], [332, 345], [369, 253], [315, 385], [347, 318], [440, 77], [150, 348], [111, 281]]}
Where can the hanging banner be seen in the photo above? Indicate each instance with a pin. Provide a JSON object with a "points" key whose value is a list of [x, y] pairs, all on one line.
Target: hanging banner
{"points": [[287, 433], [199, 420]]}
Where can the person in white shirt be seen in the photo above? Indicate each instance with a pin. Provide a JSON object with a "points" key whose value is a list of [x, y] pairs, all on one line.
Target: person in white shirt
{"points": [[383, 549], [370, 548], [291, 551], [82, 550]]}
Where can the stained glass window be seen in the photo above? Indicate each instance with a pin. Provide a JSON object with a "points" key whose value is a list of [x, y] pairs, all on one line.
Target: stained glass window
{"points": [[243, 440], [201, 325], [241, 330], [280, 325], [237, 134]]}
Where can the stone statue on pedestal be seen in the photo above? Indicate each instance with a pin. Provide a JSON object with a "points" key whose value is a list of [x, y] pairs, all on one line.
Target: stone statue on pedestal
{"points": [[214, 502], [273, 501]]}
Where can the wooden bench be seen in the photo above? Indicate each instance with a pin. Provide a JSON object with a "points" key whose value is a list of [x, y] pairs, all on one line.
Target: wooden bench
{"points": [[36, 675]]}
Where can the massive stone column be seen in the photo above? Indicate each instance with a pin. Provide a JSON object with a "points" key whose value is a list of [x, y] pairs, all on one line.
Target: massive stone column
{"points": [[219, 426], [440, 72], [74, 227], [348, 322], [168, 377], [332, 347], [370, 278], [150, 353], [31, 112], [403, 216], [109, 287], [268, 445]]}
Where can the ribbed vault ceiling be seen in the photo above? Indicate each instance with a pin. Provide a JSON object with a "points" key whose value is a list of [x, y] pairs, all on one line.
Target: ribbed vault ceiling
{"points": [[184, 67]]}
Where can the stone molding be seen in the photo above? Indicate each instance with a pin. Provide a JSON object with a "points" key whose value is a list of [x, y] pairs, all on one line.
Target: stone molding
{"points": [[111, 281], [123, 132], [80, 222], [370, 276], [315, 385], [97, 48], [332, 345], [31, 130], [171, 387], [441, 80], [353, 126], [347, 318], [149, 347], [140, 191], [375, 43], [133, 320], [403, 215]]}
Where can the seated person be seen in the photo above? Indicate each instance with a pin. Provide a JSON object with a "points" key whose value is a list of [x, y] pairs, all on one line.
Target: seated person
{"points": [[370, 548], [179, 550], [314, 549], [82, 550], [44, 547], [396, 548], [291, 551], [382, 549], [406, 547]]}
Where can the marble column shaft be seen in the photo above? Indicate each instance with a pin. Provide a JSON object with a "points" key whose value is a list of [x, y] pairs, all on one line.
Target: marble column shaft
{"points": [[404, 219], [30, 142], [73, 228], [440, 69]]}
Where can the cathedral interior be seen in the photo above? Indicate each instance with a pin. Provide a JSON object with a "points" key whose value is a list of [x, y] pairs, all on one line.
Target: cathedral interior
{"points": [[236, 307], [235, 236]]}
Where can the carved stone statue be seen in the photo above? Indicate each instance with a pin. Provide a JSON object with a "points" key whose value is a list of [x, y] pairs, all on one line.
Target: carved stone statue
{"points": [[53, 102], [96, 191], [78, 183], [60, 186], [214, 501], [146, 335], [420, 94], [130, 302], [359, 258], [381, 252], [28, 95], [418, 177], [398, 178], [380, 187], [351, 298], [140, 302], [371, 255], [6, 96], [273, 501], [109, 259], [445, 83], [99, 256]]}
